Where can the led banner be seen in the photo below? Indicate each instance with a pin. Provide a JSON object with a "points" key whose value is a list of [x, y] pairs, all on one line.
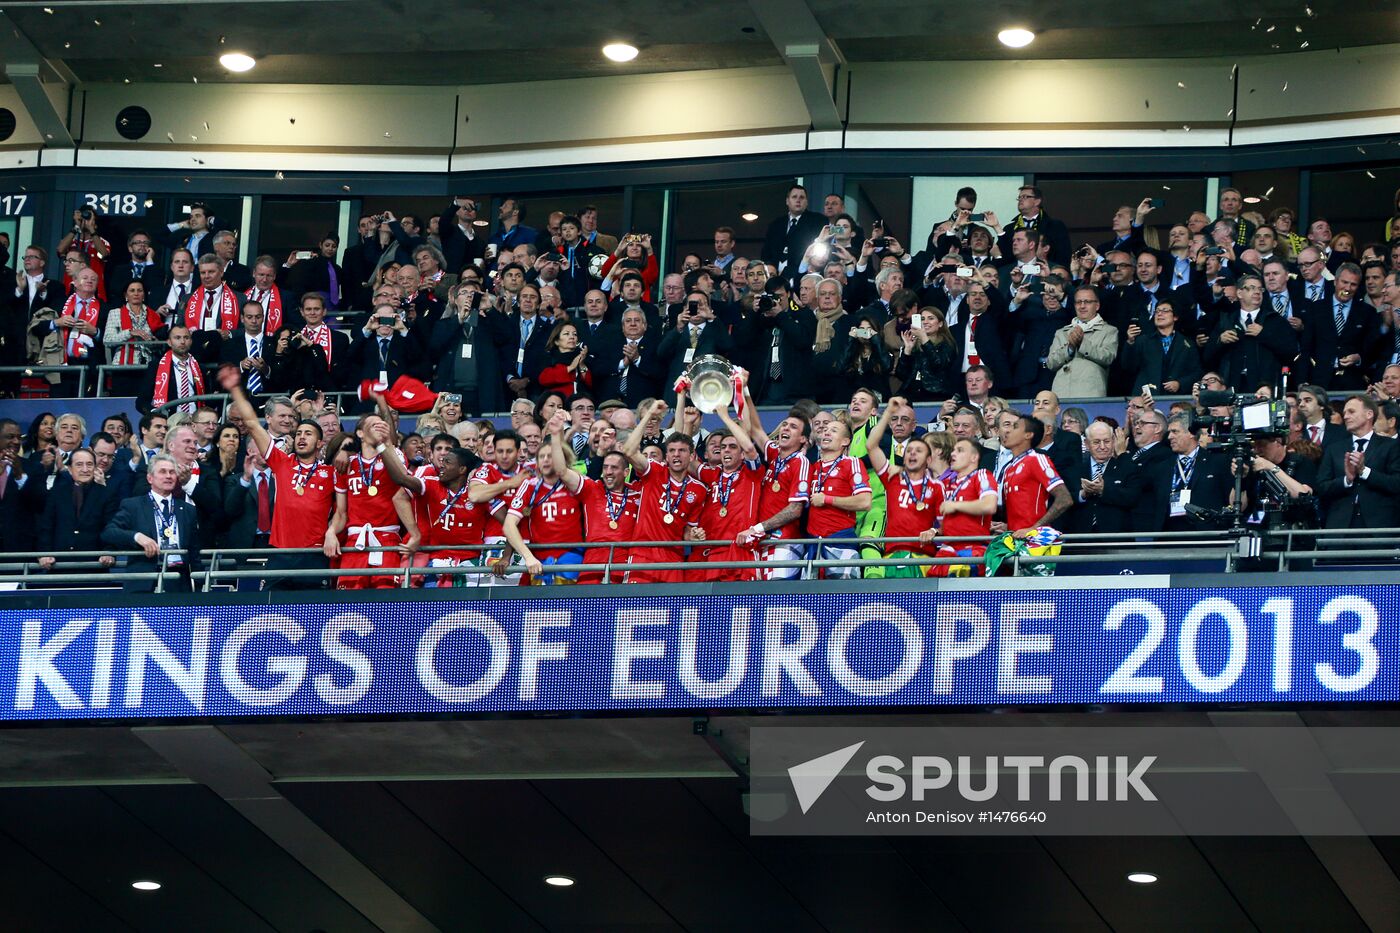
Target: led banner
{"points": [[675, 652]]}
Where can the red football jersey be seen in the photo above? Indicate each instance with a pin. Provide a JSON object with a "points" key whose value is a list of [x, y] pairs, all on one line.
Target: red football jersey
{"points": [[300, 520], [601, 509], [974, 486], [420, 504], [1026, 484], [549, 514], [361, 506], [486, 475], [660, 497], [790, 474], [904, 517], [453, 518], [844, 476], [732, 505]]}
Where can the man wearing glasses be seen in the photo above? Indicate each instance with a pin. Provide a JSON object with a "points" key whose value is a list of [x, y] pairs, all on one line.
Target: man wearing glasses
{"points": [[462, 242], [1311, 265], [1252, 342]]}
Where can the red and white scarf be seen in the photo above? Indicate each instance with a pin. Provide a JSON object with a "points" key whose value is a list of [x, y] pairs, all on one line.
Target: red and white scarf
{"points": [[168, 384], [272, 319], [85, 310], [320, 335], [228, 311], [127, 354]]}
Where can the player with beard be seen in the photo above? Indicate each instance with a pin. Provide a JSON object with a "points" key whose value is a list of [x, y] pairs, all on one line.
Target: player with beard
{"points": [[735, 488], [545, 512], [671, 501], [368, 510]]}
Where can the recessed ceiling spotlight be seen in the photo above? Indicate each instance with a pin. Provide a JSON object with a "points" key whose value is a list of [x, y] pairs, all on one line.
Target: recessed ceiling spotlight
{"points": [[1142, 877], [620, 51], [237, 61], [146, 885], [1252, 200], [1016, 38], [750, 216], [559, 881]]}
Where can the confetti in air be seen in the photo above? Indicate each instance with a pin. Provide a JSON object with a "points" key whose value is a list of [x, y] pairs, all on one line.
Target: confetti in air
{"points": [[1370, 174], [344, 187], [1269, 192], [1181, 84], [1186, 127], [1285, 85], [194, 139], [1166, 187], [280, 177], [387, 136], [1360, 150], [1309, 10], [170, 136], [1305, 44], [48, 10], [1230, 112], [206, 124], [196, 80], [1271, 29]]}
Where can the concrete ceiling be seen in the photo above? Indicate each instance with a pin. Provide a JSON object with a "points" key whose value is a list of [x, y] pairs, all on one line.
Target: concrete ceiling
{"points": [[452, 824], [395, 42]]}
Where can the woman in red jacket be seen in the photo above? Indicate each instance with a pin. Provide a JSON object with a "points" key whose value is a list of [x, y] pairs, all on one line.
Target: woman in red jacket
{"points": [[566, 362]]}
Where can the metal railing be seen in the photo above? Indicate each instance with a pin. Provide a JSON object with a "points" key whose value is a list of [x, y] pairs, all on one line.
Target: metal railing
{"points": [[223, 566]]}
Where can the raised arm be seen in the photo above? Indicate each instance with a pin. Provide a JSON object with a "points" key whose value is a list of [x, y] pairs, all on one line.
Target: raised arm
{"points": [[231, 381], [563, 458], [746, 446], [878, 460], [633, 448], [393, 463]]}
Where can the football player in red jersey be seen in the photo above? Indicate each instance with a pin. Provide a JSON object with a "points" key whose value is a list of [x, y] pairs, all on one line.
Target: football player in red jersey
{"points": [[735, 488], [551, 515], [839, 491], [1031, 490], [305, 493], [671, 501], [370, 513], [913, 493], [967, 508], [492, 485], [454, 521], [784, 493], [609, 507]]}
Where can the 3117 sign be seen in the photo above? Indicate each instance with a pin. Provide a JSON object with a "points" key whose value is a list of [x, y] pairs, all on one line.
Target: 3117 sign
{"points": [[114, 203]]}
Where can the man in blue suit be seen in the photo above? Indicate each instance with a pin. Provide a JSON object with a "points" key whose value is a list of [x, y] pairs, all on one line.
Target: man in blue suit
{"points": [[158, 523]]}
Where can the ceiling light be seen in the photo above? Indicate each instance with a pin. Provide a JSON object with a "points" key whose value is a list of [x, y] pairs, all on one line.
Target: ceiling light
{"points": [[620, 51], [237, 61], [1251, 200], [146, 885], [750, 216], [1142, 877], [481, 223], [559, 881], [1017, 38]]}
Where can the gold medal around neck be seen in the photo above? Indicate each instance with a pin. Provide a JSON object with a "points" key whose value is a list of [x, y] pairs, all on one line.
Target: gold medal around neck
{"points": [[612, 523], [922, 506], [668, 518], [372, 491], [723, 511], [301, 490], [170, 534], [777, 486]]}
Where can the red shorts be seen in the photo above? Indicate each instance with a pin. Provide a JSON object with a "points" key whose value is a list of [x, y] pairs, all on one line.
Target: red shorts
{"points": [[723, 552], [656, 555], [359, 560]]}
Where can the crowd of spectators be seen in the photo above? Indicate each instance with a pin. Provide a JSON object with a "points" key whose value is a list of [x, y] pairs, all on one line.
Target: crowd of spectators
{"points": [[570, 482], [824, 308], [895, 367]]}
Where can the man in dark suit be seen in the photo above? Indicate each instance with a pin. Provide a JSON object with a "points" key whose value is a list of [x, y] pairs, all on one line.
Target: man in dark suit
{"points": [[1345, 334], [466, 343], [789, 235], [140, 267], [250, 496], [1064, 448], [327, 350], [982, 327], [1201, 476], [1100, 468], [361, 258], [32, 291], [697, 334], [385, 352], [523, 341], [1318, 428], [1034, 321], [17, 518], [156, 523], [114, 465], [1029, 216], [196, 233], [629, 370], [1251, 344], [463, 242], [1359, 481], [1141, 490], [238, 276], [76, 511], [249, 348], [198, 482], [1161, 357]]}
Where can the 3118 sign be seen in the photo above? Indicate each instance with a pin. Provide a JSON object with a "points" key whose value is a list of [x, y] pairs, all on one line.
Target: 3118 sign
{"points": [[114, 203]]}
